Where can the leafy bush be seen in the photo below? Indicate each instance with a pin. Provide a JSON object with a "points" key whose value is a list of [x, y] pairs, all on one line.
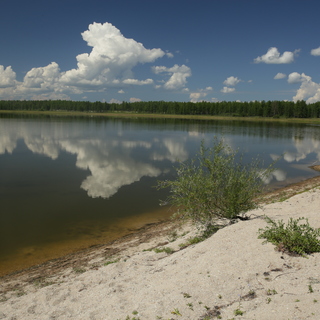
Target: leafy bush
{"points": [[216, 184], [296, 238]]}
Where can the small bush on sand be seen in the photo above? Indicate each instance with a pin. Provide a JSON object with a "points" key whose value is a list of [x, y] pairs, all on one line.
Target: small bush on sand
{"points": [[216, 185], [295, 237]]}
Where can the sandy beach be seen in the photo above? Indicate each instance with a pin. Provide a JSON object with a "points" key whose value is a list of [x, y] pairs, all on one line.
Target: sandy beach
{"points": [[229, 275]]}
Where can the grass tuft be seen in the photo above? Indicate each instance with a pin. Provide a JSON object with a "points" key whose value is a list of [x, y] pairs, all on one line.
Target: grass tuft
{"points": [[167, 250]]}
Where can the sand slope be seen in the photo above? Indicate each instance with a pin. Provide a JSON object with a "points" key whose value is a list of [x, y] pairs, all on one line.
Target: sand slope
{"points": [[230, 271]]}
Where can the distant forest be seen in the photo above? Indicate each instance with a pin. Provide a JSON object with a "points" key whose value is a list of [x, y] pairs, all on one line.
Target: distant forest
{"points": [[272, 109]]}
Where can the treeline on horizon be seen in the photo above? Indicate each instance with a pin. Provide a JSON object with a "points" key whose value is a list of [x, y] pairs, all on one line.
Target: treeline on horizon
{"points": [[273, 109]]}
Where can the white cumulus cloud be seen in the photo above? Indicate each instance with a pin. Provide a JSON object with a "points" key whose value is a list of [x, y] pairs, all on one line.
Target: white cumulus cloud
{"points": [[308, 91], [178, 75], [43, 78], [279, 75], [133, 99], [138, 82], [7, 77], [315, 52], [296, 77], [227, 90], [273, 56], [109, 63], [231, 81], [196, 96], [112, 58]]}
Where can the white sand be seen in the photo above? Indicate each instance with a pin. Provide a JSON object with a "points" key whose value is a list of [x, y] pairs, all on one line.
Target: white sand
{"points": [[215, 275]]}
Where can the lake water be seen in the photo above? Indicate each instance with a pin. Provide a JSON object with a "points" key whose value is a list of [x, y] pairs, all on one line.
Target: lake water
{"points": [[68, 183]]}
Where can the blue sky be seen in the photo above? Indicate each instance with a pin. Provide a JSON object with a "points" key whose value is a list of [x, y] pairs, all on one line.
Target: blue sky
{"points": [[177, 50]]}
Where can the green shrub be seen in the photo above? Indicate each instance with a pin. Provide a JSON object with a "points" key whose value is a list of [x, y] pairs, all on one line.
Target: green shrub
{"points": [[216, 184], [294, 237]]}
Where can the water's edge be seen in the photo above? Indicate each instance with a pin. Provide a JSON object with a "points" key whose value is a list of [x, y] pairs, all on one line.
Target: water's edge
{"points": [[142, 234]]}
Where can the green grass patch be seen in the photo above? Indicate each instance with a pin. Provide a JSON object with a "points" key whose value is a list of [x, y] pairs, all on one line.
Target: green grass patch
{"points": [[111, 262], [167, 250]]}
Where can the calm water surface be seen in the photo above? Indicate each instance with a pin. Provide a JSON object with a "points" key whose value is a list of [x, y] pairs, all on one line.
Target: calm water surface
{"points": [[66, 184]]}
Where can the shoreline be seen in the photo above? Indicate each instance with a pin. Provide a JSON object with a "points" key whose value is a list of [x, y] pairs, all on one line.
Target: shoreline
{"points": [[39, 254], [150, 231], [130, 231], [133, 115]]}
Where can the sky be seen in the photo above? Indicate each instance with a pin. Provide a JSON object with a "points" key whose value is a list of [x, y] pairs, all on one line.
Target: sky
{"points": [[151, 50]]}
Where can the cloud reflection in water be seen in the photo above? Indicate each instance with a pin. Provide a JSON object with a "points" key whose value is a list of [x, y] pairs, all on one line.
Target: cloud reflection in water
{"points": [[110, 158]]}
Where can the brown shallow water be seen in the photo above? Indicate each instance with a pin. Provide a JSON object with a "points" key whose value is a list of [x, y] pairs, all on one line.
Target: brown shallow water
{"points": [[35, 255]]}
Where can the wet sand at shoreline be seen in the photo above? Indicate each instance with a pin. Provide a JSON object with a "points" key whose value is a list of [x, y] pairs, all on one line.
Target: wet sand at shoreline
{"points": [[35, 255]]}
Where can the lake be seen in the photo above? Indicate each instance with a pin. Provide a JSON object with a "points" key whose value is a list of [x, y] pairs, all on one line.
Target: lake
{"points": [[71, 182]]}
